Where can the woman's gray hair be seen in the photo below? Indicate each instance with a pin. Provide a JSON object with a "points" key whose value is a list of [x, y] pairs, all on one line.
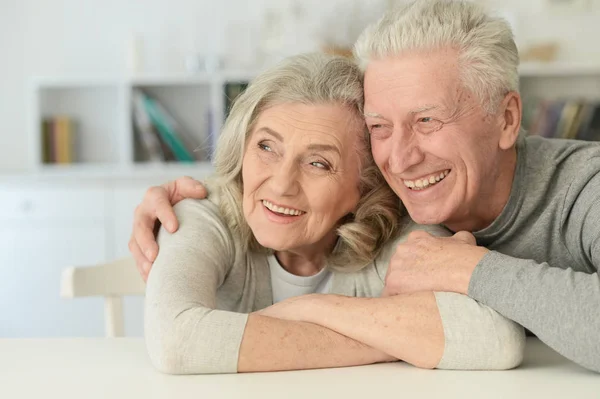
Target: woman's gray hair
{"points": [[488, 55], [309, 79]]}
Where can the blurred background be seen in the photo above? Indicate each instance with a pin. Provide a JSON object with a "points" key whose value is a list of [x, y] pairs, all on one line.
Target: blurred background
{"points": [[101, 99]]}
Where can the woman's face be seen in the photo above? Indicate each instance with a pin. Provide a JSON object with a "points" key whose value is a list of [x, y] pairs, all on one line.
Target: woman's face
{"points": [[301, 174]]}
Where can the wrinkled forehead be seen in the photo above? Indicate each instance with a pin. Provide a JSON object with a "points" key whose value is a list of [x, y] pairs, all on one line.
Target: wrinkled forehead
{"points": [[330, 123], [412, 84]]}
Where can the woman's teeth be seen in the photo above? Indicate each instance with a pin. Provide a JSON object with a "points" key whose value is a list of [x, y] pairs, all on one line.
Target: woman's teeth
{"points": [[283, 211], [432, 180]]}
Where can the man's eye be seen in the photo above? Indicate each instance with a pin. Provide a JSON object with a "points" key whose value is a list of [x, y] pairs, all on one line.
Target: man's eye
{"points": [[426, 119], [378, 126]]}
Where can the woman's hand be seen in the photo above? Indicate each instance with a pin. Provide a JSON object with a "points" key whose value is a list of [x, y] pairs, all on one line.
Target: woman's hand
{"points": [[157, 205]]}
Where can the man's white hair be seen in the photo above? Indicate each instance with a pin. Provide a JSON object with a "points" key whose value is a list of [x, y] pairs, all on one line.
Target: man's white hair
{"points": [[488, 56]]}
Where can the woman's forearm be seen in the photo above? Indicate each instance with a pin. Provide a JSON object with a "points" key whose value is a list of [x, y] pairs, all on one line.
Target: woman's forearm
{"points": [[272, 344], [407, 327]]}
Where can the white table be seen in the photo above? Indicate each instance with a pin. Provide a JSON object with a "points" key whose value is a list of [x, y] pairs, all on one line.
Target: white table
{"points": [[119, 368]]}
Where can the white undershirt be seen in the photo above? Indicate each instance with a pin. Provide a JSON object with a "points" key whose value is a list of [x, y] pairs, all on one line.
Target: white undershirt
{"points": [[286, 285]]}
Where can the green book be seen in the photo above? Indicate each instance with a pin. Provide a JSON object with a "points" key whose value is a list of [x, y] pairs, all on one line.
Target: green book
{"points": [[166, 131]]}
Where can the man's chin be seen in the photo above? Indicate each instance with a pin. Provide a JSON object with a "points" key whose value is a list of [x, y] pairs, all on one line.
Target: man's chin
{"points": [[421, 216]]}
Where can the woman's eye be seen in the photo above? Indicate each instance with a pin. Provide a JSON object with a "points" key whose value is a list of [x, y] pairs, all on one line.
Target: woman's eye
{"points": [[320, 165], [264, 147], [374, 127], [426, 119]]}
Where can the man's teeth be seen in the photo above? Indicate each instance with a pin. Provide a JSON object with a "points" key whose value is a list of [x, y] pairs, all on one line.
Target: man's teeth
{"points": [[284, 211], [426, 182]]}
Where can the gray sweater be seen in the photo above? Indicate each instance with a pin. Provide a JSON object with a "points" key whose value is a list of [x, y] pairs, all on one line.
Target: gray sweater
{"points": [[543, 270], [202, 286]]}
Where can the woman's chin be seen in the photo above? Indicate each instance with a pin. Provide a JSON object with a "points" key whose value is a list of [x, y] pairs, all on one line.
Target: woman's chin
{"points": [[275, 245]]}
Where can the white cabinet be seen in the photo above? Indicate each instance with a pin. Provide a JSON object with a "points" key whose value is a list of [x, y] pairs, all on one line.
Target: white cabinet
{"points": [[43, 230], [53, 221], [31, 262]]}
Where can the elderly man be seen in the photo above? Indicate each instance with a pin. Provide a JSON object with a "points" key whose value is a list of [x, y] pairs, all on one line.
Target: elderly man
{"points": [[444, 113]]}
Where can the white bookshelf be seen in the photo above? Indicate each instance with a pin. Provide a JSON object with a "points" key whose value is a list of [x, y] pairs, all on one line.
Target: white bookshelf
{"points": [[560, 80], [101, 108]]}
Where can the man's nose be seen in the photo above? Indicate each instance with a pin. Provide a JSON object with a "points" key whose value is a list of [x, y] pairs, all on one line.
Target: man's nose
{"points": [[405, 150]]}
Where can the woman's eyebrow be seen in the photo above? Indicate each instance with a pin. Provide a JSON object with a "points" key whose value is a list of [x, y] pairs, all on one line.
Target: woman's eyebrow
{"points": [[324, 147], [271, 132]]}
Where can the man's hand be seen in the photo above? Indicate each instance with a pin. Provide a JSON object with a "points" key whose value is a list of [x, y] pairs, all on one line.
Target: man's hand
{"points": [[427, 263], [158, 204]]}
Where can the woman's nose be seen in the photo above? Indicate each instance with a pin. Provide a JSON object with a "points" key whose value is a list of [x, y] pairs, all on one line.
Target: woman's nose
{"points": [[285, 179]]}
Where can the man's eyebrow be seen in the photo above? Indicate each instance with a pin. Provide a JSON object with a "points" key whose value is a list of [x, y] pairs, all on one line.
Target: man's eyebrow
{"points": [[424, 108], [272, 132]]}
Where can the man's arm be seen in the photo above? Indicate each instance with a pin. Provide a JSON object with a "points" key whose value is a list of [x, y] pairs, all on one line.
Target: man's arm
{"points": [[561, 307], [557, 304]]}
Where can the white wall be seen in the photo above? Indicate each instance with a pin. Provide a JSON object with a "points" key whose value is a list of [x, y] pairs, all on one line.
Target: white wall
{"points": [[88, 38]]}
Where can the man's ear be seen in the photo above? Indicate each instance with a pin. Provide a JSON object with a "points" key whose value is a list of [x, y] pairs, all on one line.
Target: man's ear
{"points": [[511, 111]]}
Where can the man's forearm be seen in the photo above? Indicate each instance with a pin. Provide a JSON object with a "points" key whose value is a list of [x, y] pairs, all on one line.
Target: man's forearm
{"points": [[560, 306], [272, 344]]}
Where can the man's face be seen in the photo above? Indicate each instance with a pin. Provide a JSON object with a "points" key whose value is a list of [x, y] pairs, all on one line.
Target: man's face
{"points": [[435, 145]]}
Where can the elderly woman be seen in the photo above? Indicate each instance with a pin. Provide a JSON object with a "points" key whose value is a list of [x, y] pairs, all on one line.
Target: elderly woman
{"points": [[298, 207]]}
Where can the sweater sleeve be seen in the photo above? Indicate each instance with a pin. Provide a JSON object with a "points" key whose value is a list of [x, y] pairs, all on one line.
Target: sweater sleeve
{"points": [[184, 332], [476, 336], [559, 305]]}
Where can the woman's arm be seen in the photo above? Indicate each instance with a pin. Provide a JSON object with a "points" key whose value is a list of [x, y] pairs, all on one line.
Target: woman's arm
{"points": [[184, 332], [406, 327], [442, 330], [272, 344]]}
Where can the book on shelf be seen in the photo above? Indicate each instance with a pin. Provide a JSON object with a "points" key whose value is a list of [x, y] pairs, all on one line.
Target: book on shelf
{"points": [[566, 119], [58, 135], [158, 134], [147, 137]]}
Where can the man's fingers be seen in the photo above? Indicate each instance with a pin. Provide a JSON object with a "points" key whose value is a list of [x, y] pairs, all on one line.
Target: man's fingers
{"points": [[146, 241], [141, 262], [184, 187], [143, 233], [416, 234], [164, 212], [465, 237]]}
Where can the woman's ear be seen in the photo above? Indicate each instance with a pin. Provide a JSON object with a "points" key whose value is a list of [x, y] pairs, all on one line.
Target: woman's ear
{"points": [[511, 111]]}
